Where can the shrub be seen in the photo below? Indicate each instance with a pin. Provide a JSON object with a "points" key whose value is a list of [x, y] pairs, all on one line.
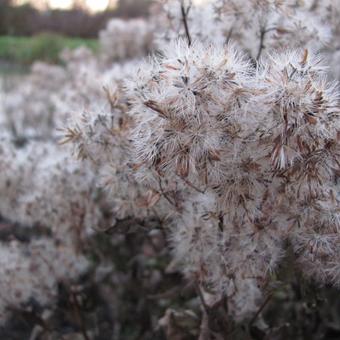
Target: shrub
{"points": [[219, 151]]}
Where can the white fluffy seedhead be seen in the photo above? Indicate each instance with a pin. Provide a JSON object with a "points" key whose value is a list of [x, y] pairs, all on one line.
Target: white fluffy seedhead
{"points": [[255, 25], [169, 16], [45, 192], [303, 117], [41, 186], [269, 24], [28, 110], [246, 150], [126, 39], [183, 124], [241, 154], [30, 274]]}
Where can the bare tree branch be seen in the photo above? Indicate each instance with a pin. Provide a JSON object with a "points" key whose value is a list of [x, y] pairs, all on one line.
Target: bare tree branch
{"points": [[185, 12]]}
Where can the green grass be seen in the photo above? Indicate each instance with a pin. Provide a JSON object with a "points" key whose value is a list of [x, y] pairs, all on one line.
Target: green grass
{"points": [[45, 47]]}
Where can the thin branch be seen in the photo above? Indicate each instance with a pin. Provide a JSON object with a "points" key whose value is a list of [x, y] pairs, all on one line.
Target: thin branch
{"points": [[230, 32], [263, 32], [200, 295], [192, 185], [78, 316], [264, 304], [185, 13], [166, 196]]}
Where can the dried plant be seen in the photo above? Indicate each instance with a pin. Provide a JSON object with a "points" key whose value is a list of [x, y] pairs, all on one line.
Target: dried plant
{"points": [[224, 142]]}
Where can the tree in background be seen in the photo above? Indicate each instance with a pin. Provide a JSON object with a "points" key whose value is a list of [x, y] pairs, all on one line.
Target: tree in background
{"points": [[26, 19]]}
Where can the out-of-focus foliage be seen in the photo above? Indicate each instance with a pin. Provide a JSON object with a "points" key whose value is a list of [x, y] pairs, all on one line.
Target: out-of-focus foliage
{"points": [[26, 20], [45, 47]]}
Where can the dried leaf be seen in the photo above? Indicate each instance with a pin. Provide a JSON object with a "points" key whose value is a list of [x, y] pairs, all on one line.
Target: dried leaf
{"points": [[305, 57], [183, 165], [214, 155]]}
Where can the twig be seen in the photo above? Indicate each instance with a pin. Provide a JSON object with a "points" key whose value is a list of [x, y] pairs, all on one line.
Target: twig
{"points": [[79, 316], [185, 13], [220, 222], [166, 196], [204, 328], [230, 32], [261, 46], [263, 33], [192, 185], [260, 310], [211, 320]]}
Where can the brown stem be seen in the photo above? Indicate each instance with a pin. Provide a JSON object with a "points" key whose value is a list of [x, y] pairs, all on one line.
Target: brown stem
{"points": [[264, 304], [185, 22], [261, 46], [79, 316], [230, 32], [204, 328], [166, 196], [192, 185], [263, 33]]}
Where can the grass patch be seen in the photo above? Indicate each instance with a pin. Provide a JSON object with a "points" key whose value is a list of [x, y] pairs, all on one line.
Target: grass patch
{"points": [[45, 47], [9, 69]]}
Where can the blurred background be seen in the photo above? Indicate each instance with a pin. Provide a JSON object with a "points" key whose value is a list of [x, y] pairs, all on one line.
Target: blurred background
{"points": [[33, 30]]}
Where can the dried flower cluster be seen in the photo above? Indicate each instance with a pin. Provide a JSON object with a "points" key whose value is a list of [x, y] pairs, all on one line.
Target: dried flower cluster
{"points": [[243, 151], [228, 137], [54, 198], [126, 39], [44, 192], [236, 150]]}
